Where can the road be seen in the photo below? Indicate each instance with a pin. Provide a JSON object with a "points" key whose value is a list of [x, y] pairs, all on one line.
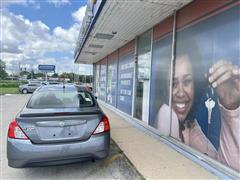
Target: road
{"points": [[116, 166]]}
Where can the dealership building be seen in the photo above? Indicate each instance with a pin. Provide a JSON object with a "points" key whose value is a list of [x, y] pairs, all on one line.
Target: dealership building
{"points": [[151, 63]]}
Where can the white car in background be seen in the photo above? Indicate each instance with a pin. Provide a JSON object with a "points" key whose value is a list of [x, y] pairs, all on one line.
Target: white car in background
{"points": [[30, 87]]}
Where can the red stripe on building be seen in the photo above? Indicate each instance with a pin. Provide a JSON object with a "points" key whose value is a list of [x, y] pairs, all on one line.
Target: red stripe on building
{"points": [[103, 61], [198, 9], [113, 56], [193, 13], [163, 28], [127, 48]]}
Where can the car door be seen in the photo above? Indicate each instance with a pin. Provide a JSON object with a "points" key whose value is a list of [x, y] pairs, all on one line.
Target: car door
{"points": [[32, 87]]}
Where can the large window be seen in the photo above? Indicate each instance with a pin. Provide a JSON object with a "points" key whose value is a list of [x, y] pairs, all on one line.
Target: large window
{"points": [[205, 108], [161, 71], [103, 80], [125, 82], [97, 78], [112, 81], [143, 76]]}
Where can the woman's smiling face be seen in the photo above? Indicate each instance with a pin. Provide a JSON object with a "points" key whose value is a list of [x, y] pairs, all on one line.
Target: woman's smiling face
{"points": [[183, 87]]}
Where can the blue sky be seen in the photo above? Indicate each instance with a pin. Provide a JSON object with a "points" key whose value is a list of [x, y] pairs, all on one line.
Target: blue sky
{"points": [[41, 32], [50, 14]]}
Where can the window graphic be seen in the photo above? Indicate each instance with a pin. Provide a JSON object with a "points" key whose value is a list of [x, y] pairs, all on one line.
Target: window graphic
{"points": [[125, 83], [206, 88]]}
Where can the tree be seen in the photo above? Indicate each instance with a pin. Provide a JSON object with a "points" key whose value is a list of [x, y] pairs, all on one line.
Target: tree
{"points": [[3, 73], [24, 73], [31, 75], [55, 75], [39, 75], [64, 75]]}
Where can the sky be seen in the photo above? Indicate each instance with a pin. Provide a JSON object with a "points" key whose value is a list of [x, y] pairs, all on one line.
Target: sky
{"points": [[37, 32]]}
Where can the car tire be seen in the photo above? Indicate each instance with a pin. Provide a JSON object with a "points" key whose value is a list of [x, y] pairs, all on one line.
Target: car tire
{"points": [[24, 91]]}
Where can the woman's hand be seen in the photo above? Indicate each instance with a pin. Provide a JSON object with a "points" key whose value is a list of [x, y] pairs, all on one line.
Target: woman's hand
{"points": [[225, 78]]}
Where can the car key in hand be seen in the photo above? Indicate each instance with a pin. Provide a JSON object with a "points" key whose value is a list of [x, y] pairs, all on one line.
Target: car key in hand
{"points": [[210, 104]]}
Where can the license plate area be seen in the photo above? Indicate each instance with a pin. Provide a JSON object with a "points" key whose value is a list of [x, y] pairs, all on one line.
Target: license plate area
{"points": [[60, 133]]}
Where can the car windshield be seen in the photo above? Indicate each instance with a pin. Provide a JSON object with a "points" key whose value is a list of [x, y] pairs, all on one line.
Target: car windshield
{"points": [[60, 99]]}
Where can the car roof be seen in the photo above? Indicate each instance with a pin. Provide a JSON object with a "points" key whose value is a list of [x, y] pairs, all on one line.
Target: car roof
{"points": [[35, 81], [59, 87]]}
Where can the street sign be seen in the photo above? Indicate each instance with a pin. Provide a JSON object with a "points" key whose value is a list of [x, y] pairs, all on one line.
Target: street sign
{"points": [[46, 68]]}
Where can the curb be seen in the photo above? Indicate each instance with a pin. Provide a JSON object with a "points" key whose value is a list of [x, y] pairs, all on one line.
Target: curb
{"points": [[140, 176]]}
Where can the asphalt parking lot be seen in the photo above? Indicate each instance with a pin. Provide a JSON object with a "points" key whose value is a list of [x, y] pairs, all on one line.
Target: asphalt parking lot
{"points": [[116, 166]]}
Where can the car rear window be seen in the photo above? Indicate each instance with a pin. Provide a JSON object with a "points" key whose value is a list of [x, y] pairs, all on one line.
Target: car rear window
{"points": [[60, 99]]}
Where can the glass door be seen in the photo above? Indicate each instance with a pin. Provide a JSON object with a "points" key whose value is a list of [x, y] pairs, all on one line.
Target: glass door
{"points": [[143, 76]]}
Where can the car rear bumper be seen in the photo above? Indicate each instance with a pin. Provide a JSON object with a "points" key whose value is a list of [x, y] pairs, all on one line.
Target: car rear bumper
{"points": [[22, 153]]}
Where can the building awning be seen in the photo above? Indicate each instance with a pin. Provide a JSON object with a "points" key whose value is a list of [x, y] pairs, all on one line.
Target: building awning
{"points": [[121, 21]]}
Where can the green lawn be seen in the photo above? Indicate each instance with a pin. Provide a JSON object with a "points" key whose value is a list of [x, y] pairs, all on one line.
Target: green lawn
{"points": [[9, 90]]}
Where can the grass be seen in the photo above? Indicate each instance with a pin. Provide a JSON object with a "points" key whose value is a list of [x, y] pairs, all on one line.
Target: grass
{"points": [[12, 81], [8, 83], [9, 86], [9, 90]]}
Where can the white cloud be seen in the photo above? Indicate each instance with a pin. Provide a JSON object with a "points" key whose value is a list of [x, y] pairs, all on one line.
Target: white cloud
{"points": [[79, 14], [30, 42], [46, 61], [67, 35], [9, 2], [6, 3], [11, 57], [58, 3], [18, 31]]}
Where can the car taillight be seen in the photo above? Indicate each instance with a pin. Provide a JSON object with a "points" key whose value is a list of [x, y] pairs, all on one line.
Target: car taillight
{"points": [[15, 132], [103, 126]]}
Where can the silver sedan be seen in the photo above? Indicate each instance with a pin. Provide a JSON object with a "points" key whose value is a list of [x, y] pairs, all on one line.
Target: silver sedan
{"points": [[59, 124], [29, 88]]}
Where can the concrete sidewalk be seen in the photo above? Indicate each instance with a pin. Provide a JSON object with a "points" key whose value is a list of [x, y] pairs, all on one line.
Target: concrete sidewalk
{"points": [[152, 158]]}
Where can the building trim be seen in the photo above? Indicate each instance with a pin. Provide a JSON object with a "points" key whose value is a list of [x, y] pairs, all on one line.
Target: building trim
{"points": [[90, 29], [135, 75], [127, 48], [117, 78], [164, 28], [172, 65], [198, 10]]}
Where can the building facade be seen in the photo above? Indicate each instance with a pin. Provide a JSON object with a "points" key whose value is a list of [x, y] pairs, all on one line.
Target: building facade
{"points": [[172, 66]]}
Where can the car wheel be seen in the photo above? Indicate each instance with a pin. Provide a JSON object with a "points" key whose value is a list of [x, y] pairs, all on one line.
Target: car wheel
{"points": [[24, 91]]}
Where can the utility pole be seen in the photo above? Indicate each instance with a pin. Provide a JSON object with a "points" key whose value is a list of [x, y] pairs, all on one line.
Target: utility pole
{"points": [[19, 69]]}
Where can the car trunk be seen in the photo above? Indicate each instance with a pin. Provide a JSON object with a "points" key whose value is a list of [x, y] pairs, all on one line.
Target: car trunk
{"points": [[59, 125]]}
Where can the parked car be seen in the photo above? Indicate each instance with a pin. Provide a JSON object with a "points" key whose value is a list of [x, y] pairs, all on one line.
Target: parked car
{"points": [[30, 87], [34, 81], [58, 125], [51, 82]]}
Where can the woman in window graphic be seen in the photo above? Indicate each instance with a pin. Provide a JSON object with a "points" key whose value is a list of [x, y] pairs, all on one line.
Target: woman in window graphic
{"points": [[189, 84]]}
